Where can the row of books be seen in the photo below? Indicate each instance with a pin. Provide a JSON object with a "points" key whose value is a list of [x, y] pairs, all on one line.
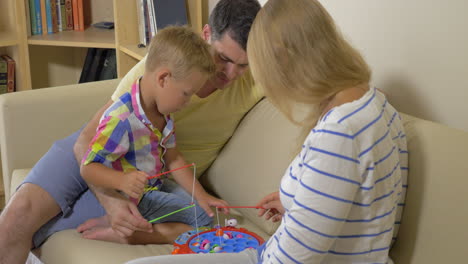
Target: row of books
{"points": [[7, 74], [157, 14], [52, 16]]}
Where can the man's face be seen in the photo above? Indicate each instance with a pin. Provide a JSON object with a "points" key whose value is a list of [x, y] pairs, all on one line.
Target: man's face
{"points": [[231, 60]]}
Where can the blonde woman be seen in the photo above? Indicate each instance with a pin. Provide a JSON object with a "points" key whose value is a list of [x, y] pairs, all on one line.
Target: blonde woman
{"points": [[339, 200]]}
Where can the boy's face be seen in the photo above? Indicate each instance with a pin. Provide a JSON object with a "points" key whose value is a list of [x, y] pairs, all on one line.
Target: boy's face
{"points": [[176, 94], [231, 60]]}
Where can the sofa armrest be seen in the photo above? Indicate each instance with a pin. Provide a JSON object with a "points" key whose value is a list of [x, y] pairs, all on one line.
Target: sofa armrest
{"points": [[30, 121]]}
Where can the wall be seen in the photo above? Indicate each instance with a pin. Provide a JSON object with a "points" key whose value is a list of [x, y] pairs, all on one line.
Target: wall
{"points": [[418, 51]]}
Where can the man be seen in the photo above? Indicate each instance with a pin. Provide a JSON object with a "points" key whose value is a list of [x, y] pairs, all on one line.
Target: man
{"points": [[54, 197]]}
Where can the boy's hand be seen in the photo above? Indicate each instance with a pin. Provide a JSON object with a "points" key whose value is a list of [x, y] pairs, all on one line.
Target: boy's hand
{"points": [[133, 183], [205, 201], [272, 207]]}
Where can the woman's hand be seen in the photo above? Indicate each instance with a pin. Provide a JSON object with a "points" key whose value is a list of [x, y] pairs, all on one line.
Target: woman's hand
{"points": [[271, 207], [206, 200]]}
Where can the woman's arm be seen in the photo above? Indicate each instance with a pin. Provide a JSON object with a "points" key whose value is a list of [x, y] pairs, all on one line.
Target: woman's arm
{"points": [[327, 187]]}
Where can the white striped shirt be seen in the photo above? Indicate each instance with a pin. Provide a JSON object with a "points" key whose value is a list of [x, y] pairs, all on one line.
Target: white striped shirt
{"points": [[345, 191]]}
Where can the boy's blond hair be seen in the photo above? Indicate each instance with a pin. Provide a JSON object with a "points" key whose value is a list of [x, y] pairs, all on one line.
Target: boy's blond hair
{"points": [[181, 50]]}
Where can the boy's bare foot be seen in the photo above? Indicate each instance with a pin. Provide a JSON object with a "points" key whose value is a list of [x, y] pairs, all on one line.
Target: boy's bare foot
{"points": [[104, 234], [93, 223]]}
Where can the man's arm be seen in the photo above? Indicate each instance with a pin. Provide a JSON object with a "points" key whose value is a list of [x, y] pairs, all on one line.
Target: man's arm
{"points": [[82, 143]]}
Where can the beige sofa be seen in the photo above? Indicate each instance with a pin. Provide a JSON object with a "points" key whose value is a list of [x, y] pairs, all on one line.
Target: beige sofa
{"points": [[433, 227]]}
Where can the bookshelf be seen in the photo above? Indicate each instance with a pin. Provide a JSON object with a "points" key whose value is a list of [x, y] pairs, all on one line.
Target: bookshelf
{"points": [[126, 21], [57, 59], [13, 38]]}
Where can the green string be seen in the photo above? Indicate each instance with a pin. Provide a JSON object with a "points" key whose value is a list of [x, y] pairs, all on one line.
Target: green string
{"points": [[154, 220]]}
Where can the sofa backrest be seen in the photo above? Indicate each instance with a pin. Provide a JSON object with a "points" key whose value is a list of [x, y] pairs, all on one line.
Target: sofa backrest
{"points": [[252, 163], [432, 231], [433, 228], [23, 115]]}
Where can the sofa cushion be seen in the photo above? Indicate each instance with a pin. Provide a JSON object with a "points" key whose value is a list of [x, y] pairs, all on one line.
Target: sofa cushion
{"points": [[251, 165], [433, 226], [17, 178], [68, 247]]}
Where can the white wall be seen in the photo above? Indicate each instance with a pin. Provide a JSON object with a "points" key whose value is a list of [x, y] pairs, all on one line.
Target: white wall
{"points": [[418, 51]]}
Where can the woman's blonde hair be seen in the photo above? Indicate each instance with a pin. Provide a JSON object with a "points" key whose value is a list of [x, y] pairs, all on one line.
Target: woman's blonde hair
{"points": [[297, 55], [180, 49]]}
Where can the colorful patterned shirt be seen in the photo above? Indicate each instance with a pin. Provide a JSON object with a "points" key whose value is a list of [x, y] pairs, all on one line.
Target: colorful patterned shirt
{"points": [[126, 140]]}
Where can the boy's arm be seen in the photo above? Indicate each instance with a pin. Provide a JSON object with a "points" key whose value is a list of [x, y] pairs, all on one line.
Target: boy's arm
{"points": [[98, 175], [185, 178], [116, 204]]}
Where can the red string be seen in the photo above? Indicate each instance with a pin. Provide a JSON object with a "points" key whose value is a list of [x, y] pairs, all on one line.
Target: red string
{"points": [[166, 172], [257, 207]]}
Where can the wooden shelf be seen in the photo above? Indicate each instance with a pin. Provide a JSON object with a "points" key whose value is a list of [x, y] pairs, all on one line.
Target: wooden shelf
{"points": [[90, 38], [134, 51], [7, 40], [57, 59]]}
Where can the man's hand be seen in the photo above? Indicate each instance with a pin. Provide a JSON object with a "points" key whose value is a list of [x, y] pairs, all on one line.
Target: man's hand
{"points": [[206, 200], [133, 183], [271, 207], [123, 214]]}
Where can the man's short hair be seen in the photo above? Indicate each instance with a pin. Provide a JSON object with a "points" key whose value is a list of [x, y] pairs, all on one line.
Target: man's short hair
{"points": [[234, 17]]}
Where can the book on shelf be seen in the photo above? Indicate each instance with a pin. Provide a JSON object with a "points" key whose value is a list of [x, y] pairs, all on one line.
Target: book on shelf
{"points": [[81, 14], [141, 21], [54, 15], [76, 21], [69, 14], [3, 76], [58, 12], [158, 14], [43, 9], [35, 17], [7, 74], [29, 15], [48, 14]]}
